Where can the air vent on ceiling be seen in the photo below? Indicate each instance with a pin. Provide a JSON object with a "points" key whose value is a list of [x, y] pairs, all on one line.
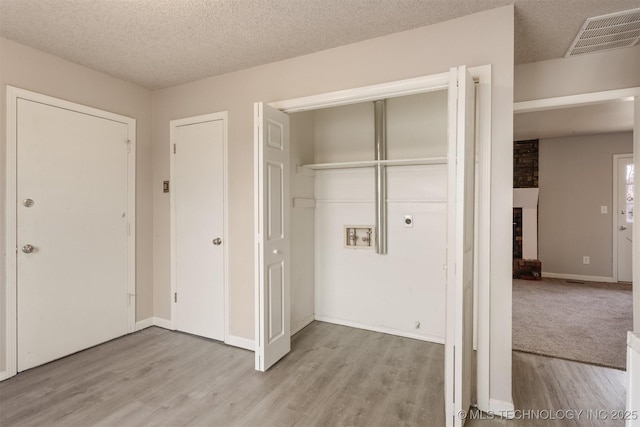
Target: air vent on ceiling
{"points": [[607, 32]]}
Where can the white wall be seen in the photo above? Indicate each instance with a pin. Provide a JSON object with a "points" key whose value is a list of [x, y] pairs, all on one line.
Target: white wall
{"points": [[405, 287], [398, 56], [616, 69], [575, 179], [36, 71], [302, 221], [383, 292]]}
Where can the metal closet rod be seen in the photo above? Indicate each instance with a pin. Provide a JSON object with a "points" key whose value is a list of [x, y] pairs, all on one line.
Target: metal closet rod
{"points": [[381, 175]]}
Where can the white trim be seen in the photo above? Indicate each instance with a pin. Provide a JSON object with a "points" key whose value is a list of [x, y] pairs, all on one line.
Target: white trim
{"points": [[501, 408], [575, 100], [240, 342], [4, 375], [636, 208], [144, 324], [578, 277], [303, 324], [13, 94], [163, 323], [173, 124], [614, 212], [381, 329], [366, 93], [483, 257]]}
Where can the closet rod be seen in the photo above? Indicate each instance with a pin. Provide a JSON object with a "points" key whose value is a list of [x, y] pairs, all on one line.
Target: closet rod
{"points": [[381, 175]]}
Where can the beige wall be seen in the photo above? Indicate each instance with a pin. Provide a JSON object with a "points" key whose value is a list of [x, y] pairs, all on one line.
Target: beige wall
{"points": [[616, 69], [576, 178], [484, 38], [36, 71]]}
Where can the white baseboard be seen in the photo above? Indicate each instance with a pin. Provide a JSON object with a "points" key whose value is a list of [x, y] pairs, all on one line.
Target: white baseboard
{"points": [[381, 329], [302, 324], [236, 341], [502, 408], [4, 375], [163, 323], [153, 321], [578, 277], [144, 324]]}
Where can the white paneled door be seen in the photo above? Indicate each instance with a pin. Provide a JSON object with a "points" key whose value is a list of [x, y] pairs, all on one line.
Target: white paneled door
{"points": [[72, 231], [624, 168], [460, 244], [273, 334], [198, 170]]}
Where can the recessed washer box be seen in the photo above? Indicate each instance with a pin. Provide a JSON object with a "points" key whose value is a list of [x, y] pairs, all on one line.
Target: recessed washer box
{"points": [[359, 236]]}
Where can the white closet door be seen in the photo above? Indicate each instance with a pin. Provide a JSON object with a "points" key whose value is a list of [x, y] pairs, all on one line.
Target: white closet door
{"points": [[198, 226], [273, 334], [460, 242], [72, 231]]}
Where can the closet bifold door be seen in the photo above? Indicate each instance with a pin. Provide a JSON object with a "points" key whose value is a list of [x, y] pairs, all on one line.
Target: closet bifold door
{"points": [[381, 176], [273, 255], [460, 245]]}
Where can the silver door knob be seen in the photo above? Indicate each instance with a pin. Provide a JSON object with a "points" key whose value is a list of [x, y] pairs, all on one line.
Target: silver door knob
{"points": [[622, 228], [217, 241], [27, 249]]}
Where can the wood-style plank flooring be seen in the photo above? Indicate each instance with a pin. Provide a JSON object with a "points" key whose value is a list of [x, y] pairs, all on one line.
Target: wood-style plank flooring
{"points": [[334, 376]]}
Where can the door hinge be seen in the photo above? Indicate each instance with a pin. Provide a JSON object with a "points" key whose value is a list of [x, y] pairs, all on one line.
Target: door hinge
{"points": [[174, 148], [175, 297]]}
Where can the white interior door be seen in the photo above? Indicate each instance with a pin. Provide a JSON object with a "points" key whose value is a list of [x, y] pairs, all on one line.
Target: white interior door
{"points": [[460, 244], [273, 329], [624, 216], [72, 231], [198, 225]]}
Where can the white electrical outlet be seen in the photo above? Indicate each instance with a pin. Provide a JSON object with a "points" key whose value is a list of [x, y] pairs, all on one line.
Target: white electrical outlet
{"points": [[603, 209], [586, 260], [408, 221]]}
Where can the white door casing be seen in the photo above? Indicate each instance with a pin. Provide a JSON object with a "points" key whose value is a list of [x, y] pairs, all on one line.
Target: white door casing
{"points": [[460, 246], [198, 241], [71, 179], [623, 195], [273, 329], [419, 85]]}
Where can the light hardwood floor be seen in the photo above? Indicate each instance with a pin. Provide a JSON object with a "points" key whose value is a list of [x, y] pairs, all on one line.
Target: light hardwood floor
{"points": [[334, 376]]}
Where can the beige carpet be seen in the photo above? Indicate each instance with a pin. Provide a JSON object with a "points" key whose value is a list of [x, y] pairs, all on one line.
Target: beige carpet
{"points": [[582, 322]]}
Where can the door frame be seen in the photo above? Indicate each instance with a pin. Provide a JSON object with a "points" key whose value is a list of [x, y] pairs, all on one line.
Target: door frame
{"points": [[482, 286], [173, 124], [629, 94], [13, 94], [614, 209]]}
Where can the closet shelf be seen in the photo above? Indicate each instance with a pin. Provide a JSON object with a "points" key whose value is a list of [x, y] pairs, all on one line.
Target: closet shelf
{"points": [[371, 163]]}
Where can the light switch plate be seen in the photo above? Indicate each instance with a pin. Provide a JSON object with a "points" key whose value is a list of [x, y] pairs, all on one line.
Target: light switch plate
{"points": [[603, 209]]}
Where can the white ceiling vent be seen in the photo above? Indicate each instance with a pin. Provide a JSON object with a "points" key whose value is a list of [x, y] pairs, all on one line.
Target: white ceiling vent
{"points": [[607, 32]]}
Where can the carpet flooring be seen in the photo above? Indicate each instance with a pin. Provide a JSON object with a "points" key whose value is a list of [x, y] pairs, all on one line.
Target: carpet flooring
{"points": [[582, 322]]}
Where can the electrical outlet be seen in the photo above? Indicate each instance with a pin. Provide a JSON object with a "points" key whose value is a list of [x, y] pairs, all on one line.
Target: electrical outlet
{"points": [[586, 260], [603, 209], [408, 221]]}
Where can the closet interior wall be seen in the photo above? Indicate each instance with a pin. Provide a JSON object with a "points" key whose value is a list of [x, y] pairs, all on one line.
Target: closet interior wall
{"points": [[403, 291]]}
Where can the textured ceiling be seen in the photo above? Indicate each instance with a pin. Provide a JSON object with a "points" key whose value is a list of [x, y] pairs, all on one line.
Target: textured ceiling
{"points": [[161, 43]]}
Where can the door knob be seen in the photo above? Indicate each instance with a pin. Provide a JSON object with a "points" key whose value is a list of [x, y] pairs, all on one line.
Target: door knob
{"points": [[217, 241], [622, 228], [27, 249]]}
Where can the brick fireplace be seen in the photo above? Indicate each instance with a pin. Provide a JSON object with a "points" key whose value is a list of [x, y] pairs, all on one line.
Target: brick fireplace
{"points": [[526, 264]]}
